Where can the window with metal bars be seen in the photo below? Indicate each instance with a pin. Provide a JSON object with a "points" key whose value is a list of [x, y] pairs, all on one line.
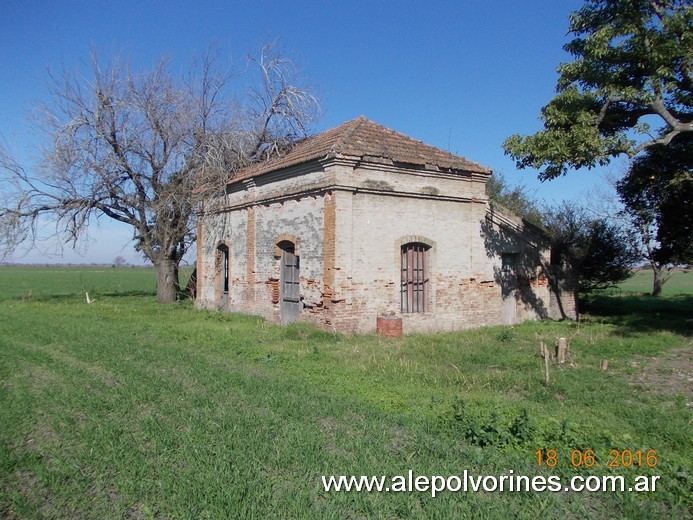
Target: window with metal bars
{"points": [[414, 290]]}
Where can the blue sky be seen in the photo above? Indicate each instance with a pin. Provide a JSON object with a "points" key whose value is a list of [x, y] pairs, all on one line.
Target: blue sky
{"points": [[461, 75]]}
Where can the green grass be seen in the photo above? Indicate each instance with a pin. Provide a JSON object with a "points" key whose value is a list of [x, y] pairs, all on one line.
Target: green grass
{"points": [[57, 282], [127, 408], [641, 283]]}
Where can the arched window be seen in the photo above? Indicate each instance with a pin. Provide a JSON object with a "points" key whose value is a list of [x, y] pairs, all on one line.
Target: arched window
{"points": [[415, 278]]}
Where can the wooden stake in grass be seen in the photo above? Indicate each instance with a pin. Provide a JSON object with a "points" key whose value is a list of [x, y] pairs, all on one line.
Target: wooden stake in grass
{"points": [[604, 365], [546, 354]]}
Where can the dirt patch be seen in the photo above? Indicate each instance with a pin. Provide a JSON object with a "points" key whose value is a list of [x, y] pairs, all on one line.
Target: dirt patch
{"points": [[333, 429], [30, 487], [41, 377], [666, 375], [41, 437], [398, 441]]}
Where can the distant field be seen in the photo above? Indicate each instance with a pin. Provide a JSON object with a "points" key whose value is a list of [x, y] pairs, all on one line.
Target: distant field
{"points": [[641, 283], [126, 408], [55, 281]]}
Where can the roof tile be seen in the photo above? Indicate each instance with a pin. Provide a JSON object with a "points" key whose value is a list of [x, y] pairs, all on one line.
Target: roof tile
{"points": [[361, 137]]}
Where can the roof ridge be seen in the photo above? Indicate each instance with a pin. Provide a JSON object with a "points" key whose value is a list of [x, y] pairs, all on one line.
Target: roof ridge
{"points": [[351, 128]]}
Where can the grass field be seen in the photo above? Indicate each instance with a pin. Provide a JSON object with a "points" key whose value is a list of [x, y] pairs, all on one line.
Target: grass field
{"points": [[129, 409], [641, 283]]}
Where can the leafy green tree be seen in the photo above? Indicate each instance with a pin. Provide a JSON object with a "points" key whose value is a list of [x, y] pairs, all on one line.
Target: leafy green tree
{"points": [[657, 195], [633, 60], [597, 251]]}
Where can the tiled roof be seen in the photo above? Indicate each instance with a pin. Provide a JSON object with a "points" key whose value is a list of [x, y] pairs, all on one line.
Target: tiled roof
{"points": [[361, 137]]}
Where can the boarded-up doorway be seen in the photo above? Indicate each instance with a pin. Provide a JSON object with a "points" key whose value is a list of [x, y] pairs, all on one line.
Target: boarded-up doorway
{"points": [[290, 295], [509, 288]]}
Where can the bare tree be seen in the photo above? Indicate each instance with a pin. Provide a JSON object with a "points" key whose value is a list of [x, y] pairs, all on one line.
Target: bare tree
{"points": [[145, 149]]}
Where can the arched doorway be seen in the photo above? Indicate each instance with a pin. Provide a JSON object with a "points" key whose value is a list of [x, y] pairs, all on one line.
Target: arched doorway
{"points": [[221, 274]]}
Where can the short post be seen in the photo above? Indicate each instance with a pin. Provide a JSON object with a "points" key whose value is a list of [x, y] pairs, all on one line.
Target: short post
{"points": [[604, 365], [545, 351]]}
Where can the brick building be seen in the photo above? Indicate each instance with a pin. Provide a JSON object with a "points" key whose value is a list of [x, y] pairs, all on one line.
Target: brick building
{"points": [[363, 222]]}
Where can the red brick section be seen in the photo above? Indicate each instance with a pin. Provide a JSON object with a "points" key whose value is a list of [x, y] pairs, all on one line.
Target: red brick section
{"points": [[274, 286], [361, 137], [540, 281], [390, 327]]}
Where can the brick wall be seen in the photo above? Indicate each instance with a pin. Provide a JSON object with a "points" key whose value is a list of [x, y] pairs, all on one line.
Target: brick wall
{"points": [[348, 221], [252, 231], [462, 289]]}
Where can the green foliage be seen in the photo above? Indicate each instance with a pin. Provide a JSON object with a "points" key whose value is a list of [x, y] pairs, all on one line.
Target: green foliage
{"points": [[492, 429], [657, 194], [523, 427], [516, 199], [632, 60], [506, 336], [598, 251], [607, 259]]}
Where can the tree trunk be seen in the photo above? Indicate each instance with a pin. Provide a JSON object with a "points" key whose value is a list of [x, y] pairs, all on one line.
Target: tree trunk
{"points": [[167, 284], [658, 283]]}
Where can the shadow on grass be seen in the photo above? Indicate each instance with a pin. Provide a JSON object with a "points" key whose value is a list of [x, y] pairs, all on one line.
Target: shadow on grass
{"points": [[128, 294], [635, 314], [94, 295]]}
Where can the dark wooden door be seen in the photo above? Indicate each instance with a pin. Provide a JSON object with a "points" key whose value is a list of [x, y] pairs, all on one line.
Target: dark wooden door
{"points": [[290, 301]]}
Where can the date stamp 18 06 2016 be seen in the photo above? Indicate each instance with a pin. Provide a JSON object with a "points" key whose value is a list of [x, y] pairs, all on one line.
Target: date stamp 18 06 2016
{"points": [[588, 458]]}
